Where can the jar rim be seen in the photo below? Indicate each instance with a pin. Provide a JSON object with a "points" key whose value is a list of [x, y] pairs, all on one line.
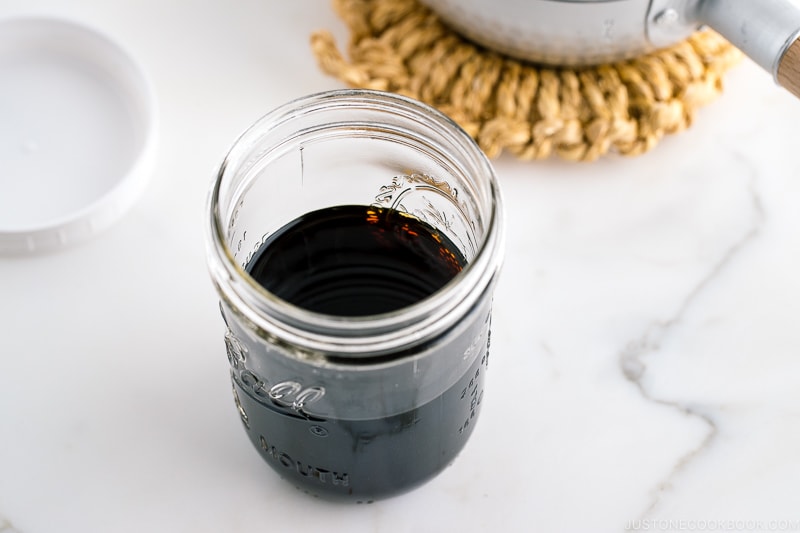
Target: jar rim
{"points": [[310, 333]]}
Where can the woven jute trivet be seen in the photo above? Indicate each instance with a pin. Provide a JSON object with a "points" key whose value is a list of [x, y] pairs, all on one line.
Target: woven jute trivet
{"points": [[532, 111]]}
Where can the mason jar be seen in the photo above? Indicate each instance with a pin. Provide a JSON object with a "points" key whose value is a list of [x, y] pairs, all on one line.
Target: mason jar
{"points": [[364, 404]]}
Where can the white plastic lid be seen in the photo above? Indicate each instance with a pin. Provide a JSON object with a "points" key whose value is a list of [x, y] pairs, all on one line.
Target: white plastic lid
{"points": [[78, 121]]}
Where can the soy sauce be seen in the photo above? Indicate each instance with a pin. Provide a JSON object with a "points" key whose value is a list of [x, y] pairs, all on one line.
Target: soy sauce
{"points": [[364, 460], [356, 260]]}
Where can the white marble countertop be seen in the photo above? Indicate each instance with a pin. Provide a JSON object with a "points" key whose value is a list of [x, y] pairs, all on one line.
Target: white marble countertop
{"points": [[646, 348]]}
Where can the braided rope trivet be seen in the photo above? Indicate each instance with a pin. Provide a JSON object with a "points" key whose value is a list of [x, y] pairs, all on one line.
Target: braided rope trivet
{"points": [[530, 110]]}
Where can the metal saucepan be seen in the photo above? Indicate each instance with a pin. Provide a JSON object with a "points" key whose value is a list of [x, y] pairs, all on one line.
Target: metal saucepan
{"points": [[586, 32]]}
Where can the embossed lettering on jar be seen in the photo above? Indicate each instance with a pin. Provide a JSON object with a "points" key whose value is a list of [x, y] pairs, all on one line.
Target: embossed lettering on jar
{"points": [[355, 239]]}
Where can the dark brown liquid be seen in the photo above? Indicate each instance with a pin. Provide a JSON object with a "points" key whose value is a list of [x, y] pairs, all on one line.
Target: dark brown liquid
{"points": [[363, 460], [355, 261]]}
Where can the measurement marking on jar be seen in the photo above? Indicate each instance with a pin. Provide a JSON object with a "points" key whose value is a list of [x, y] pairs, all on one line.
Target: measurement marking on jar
{"points": [[302, 168], [475, 400], [474, 390]]}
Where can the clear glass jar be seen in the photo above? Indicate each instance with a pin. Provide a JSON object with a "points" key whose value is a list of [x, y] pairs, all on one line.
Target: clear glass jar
{"points": [[357, 407]]}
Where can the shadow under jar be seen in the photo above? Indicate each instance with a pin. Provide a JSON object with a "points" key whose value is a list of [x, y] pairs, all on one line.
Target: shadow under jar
{"points": [[355, 239]]}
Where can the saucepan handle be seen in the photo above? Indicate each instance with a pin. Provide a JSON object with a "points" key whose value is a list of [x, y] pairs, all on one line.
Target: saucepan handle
{"points": [[766, 30]]}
